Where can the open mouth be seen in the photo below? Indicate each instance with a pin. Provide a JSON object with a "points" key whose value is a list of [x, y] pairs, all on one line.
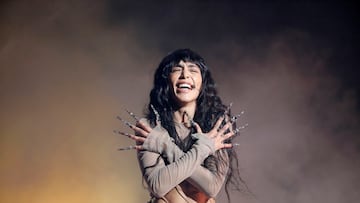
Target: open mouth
{"points": [[184, 86]]}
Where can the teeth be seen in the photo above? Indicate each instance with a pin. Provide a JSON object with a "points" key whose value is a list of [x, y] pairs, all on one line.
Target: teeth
{"points": [[184, 85]]}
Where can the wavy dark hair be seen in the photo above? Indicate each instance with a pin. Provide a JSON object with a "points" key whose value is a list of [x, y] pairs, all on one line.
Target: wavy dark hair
{"points": [[209, 108]]}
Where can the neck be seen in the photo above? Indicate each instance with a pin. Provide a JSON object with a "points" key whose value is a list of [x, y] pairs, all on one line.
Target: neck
{"points": [[185, 114]]}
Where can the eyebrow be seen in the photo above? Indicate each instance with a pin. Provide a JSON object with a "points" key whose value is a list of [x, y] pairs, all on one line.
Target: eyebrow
{"points": [[179, 65], [193, 65], [190, 65]]}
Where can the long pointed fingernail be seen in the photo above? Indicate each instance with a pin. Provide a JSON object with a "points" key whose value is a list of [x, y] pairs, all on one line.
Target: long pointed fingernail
{"points": [[234, 118], [125, 122], [244, 126], [235, 144], [132, 115], [122, 133], [236, 131], [127, 148], [228, 108], [230, 105]]}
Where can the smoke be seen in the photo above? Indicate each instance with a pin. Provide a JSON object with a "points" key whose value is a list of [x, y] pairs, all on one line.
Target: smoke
{"points": [[301, 144], [62, 74], [68, 68]]}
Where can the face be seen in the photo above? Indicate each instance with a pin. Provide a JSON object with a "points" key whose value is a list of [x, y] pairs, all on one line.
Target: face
{"points": [[185, 79]]}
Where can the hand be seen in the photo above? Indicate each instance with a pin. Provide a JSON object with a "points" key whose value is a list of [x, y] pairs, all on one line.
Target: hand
{"points": [[141, 132], [217, 134]]}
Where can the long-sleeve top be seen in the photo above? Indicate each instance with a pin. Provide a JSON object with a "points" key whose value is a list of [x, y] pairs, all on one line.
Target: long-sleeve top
{"points": [[164, 165]]}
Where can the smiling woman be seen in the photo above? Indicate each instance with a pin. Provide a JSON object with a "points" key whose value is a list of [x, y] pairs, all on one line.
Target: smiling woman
{"points": [[186, 81], [185, 142]]}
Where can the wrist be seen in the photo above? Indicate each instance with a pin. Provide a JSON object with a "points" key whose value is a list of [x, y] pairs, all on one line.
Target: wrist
{"points": [[205, 142], [157, 140]]}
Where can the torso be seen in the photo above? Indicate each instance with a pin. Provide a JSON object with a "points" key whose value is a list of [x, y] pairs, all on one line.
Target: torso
{"points": [[184, 193], [193, 193]]}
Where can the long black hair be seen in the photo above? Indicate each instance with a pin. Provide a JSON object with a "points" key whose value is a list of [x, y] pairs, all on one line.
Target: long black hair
{"points": [[209, 108]]}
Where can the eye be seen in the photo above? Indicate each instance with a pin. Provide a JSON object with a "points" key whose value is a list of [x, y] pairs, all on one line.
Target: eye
{"points": [[176, 69], [194, 69]]}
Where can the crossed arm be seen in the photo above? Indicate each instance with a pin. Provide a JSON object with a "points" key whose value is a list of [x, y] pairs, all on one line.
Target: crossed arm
{"points": [[154, 144], [161, 178]]}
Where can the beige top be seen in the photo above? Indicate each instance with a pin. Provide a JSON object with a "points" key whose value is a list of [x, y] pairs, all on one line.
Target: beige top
{"points": [[176, 169]]}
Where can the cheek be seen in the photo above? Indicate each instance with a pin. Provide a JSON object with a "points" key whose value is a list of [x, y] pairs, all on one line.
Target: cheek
{"points": [[171, 80], [199, 82]]}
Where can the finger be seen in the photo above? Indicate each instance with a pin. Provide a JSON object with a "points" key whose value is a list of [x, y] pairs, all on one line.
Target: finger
{"points": [[197, 127], [218, 123], [228, 135], [224, 128], [136, 129], [138, 139], [190, 122], [227, 145], [143, 125], [139, 147], [140, 131]]}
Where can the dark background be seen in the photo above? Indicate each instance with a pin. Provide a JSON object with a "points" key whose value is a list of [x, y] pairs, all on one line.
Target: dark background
{"points": [[68, 68]]}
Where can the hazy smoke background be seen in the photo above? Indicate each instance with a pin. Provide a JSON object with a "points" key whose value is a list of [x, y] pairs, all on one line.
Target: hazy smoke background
{"points": [[69, 67]]}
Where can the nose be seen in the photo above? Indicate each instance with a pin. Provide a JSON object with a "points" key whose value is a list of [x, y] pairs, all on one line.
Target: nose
{"points": [[185, 73]]}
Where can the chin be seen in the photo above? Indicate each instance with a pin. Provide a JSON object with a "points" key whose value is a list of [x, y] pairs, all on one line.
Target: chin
{"points": [[184, 102]]}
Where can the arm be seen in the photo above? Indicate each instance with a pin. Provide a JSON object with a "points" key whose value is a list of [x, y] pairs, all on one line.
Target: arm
{"points": [[216, 137], [210, 182], [162, 178]]}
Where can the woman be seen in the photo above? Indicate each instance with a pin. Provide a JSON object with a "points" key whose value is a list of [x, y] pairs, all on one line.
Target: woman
{"points": [[184, 143]]}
